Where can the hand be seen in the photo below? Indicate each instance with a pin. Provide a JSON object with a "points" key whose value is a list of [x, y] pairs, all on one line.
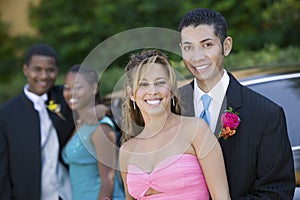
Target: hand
{"points": [[93, 115], [101, 110]]}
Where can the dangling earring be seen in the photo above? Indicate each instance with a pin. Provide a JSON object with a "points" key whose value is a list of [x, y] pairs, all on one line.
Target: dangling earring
{"points": [[173, 102], [134, 108]]}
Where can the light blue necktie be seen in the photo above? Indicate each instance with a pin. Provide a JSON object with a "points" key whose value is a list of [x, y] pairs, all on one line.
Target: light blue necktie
{"points": [[206, 99]]}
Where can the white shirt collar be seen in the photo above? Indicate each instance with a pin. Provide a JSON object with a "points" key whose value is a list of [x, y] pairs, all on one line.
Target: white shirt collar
{"points": [[217, 92], [35, 98]]}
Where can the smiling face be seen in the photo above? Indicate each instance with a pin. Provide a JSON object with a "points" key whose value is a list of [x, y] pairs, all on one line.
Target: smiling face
{"points": [[153, 93], [41, 73], [203, 54], [78, 92]]}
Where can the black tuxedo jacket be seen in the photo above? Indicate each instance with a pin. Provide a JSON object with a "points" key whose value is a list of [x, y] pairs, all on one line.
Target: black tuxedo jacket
{"points": [[20, 145], [258, 157]]}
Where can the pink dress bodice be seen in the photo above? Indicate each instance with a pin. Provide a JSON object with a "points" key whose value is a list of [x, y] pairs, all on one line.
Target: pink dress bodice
{"points": [[177, 177]]}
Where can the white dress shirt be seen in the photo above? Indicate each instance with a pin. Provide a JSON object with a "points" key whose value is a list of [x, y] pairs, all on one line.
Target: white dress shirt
{"points": [[217, 94], [55, 181]]}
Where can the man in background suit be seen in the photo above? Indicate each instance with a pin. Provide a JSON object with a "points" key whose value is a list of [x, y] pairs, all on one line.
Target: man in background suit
{"points": [[30, 140], [258, 156], [28, 166]]}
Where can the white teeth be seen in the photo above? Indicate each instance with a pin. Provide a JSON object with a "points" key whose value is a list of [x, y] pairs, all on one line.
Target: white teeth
{"points": [[201, 67], [72, 100], [153, 102], [43, 83]]}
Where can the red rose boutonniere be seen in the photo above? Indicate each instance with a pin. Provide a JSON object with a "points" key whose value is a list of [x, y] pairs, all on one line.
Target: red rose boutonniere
{"points": [[54, 107], [230, 122]]}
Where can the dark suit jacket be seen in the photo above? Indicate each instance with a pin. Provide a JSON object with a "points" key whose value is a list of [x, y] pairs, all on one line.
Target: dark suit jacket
{"points": [[20, 145], [258, 157]]}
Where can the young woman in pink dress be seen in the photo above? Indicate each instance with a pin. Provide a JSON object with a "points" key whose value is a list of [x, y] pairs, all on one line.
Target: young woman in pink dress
{"points": [[165, 155]]}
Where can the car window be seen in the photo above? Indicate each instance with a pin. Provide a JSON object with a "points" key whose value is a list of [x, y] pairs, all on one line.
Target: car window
{"points": [[287, 94]]}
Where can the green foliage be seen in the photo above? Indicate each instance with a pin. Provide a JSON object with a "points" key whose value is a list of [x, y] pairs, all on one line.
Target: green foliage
{"points": [[256, 23], [109, 79], [11, 52], [79, 26], [284, 15], [260, 28], [12, 87], [68, 26], [268, 56], [7, 53]]}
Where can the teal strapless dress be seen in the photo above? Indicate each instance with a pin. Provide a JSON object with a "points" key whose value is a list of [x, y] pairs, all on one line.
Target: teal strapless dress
{"points": [[80, 155]]}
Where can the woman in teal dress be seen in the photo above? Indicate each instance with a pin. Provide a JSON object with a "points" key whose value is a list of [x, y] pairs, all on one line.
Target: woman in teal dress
{"points": [[91, 152]]}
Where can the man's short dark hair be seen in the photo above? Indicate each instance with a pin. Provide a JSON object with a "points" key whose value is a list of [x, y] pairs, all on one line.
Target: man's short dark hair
{"points": [[205, 16], [42, 49]]}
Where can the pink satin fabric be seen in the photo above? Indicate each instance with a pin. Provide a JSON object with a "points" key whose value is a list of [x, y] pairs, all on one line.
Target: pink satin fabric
{"points": [[177, 177]]}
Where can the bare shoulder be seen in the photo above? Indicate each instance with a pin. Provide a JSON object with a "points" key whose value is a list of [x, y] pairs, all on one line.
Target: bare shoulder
{"points": [[106, 128], [125, 153], [128, 146], [194, 126], [103, 131], [193, 122]]}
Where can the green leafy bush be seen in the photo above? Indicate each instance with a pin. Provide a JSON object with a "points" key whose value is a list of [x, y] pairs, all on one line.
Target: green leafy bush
{"points": [[267, 57]]}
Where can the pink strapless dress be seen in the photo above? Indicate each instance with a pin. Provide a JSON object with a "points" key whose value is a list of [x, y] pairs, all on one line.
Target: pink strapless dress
{"points": [[178, 177]]}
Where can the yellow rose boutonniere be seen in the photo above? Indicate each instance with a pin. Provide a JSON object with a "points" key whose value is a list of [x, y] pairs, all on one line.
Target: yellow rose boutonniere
{"points": [[54, 107]]}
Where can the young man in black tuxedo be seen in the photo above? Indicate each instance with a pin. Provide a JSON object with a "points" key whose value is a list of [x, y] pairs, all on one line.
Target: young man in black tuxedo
{"points": [[34, 126], [258, 156]]}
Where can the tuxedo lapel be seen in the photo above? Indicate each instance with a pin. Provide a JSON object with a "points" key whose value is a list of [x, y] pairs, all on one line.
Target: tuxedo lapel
{"points": [[187, 99], [234, 93], [233, 98], [219, 122], [65, 126]]}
